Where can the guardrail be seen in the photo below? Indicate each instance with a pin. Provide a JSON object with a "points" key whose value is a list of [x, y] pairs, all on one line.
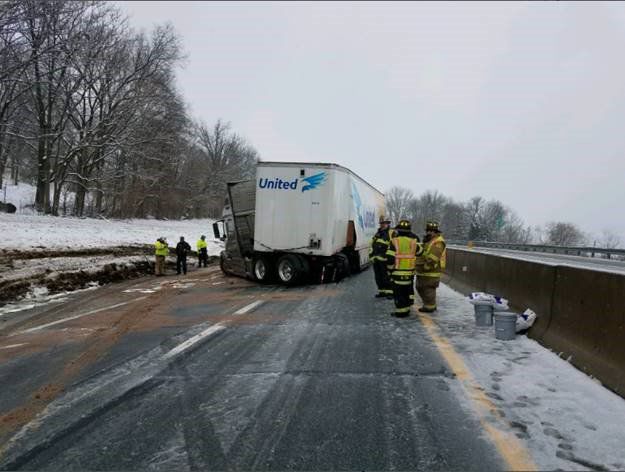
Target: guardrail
{"points": [[583, 251]]}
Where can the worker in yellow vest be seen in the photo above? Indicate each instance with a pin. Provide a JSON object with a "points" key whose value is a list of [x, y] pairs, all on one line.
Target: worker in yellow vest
{"points": [[202, 251], [430, 266], [161, 250], [401, 259]]}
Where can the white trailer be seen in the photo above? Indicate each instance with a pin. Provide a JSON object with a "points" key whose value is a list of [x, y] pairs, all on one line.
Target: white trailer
{"points": [[299, 221]]}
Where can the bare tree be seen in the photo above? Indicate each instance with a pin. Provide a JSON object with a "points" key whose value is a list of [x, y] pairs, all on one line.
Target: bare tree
{"points": [[455, 221], [89, 109], [514, 230], [398, 203], [563, 234], [223, 156], [430, 206], [128, 110], [609, 239], [51, 32], [13, 61]]}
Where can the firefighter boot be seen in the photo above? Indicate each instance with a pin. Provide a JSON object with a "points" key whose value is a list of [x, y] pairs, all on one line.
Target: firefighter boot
{"points": [[427, 310]]}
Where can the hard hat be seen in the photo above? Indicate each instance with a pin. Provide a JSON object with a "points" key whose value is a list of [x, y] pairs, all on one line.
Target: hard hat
{"points": [[432, 226], [384, 219], [403, 225]]}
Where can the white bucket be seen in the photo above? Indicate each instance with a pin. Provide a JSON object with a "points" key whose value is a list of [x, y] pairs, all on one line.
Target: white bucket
{"points": [[483, 315], [505, 325]]}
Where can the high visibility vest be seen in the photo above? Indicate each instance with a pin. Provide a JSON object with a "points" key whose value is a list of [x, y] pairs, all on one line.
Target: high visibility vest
{"points": [[161, 249], [405, 253], [433, 264], [201, 244]]}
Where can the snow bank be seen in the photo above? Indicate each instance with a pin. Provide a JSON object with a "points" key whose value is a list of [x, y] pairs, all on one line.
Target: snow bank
{"points": [[20, 231], [21, 195]]}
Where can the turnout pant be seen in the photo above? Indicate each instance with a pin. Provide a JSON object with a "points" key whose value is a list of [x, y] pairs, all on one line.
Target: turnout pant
{"points": [[382, 278], [181, 263], [159, 267], [203, 255], [426, 286], [403, 294]]}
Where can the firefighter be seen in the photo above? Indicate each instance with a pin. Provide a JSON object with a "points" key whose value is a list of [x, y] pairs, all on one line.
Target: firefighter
{"points": [[402, 254], [202, 251], [377, 254], [161, 250], [430, 266]]}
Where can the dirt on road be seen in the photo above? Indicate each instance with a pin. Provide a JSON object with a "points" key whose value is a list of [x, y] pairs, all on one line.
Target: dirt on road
{"points": [[57, 271]]}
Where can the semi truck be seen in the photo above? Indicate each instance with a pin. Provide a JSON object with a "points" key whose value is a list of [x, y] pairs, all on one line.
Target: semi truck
{"points": [[298, 222]]}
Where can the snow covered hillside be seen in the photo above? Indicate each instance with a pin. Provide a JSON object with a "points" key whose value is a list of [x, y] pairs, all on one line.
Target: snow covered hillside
{"points": [[42, 256], [28, 230], [50, 232]]}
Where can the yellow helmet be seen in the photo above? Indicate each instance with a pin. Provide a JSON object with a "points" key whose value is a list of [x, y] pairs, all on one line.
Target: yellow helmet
{"points": [[432, 226], [403, 225]]}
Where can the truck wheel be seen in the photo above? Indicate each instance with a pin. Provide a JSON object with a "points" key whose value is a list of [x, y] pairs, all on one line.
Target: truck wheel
{"points": [[354, 262], [343, 265], [262, 270], [290, 269]]}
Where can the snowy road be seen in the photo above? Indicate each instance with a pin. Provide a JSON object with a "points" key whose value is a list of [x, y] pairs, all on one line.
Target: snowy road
{"points": [[591, 263], [212, 372]]}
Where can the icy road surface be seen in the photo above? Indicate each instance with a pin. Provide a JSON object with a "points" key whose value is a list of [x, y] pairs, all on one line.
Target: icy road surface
{"points": [[212, 372]]}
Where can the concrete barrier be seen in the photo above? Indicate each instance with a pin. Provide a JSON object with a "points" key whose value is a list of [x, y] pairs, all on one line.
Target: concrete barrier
{"points": [[588, 323], [581, 312], [469, 271], [526, 285], [450, 270]]}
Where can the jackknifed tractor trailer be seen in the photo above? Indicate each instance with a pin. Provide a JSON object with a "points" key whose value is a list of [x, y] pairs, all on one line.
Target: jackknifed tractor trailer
{"points": [[298, 222]]}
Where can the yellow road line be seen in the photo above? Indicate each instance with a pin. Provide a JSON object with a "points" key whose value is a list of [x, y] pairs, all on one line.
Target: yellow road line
{"points": [[511, 449]]}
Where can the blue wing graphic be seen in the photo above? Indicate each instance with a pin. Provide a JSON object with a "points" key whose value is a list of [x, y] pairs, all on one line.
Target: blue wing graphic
{"points": [[314, 181], [358, 205]]}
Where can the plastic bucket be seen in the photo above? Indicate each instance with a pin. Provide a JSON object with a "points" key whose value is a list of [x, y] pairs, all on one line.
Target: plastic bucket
{"points": [[505, 325], [483, 315]]}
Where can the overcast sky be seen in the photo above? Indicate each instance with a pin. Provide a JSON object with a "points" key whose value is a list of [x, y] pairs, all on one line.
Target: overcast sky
{"points": [[520, 102]]}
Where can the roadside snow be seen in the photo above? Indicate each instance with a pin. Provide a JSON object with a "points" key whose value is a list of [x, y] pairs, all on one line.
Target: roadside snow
{"points": [[567, 420], [21, 195], [27, 268], [50, 232], [40, 296]]}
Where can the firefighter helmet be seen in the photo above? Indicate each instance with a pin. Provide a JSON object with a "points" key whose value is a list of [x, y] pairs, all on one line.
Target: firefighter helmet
{"points": [[384, 220], [432, 226], [403, 225]]}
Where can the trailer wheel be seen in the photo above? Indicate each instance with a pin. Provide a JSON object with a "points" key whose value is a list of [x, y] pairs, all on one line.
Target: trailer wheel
{"points": [[262, 270], [222, 264], [343, 265], [290, 269], [354, 262]]}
